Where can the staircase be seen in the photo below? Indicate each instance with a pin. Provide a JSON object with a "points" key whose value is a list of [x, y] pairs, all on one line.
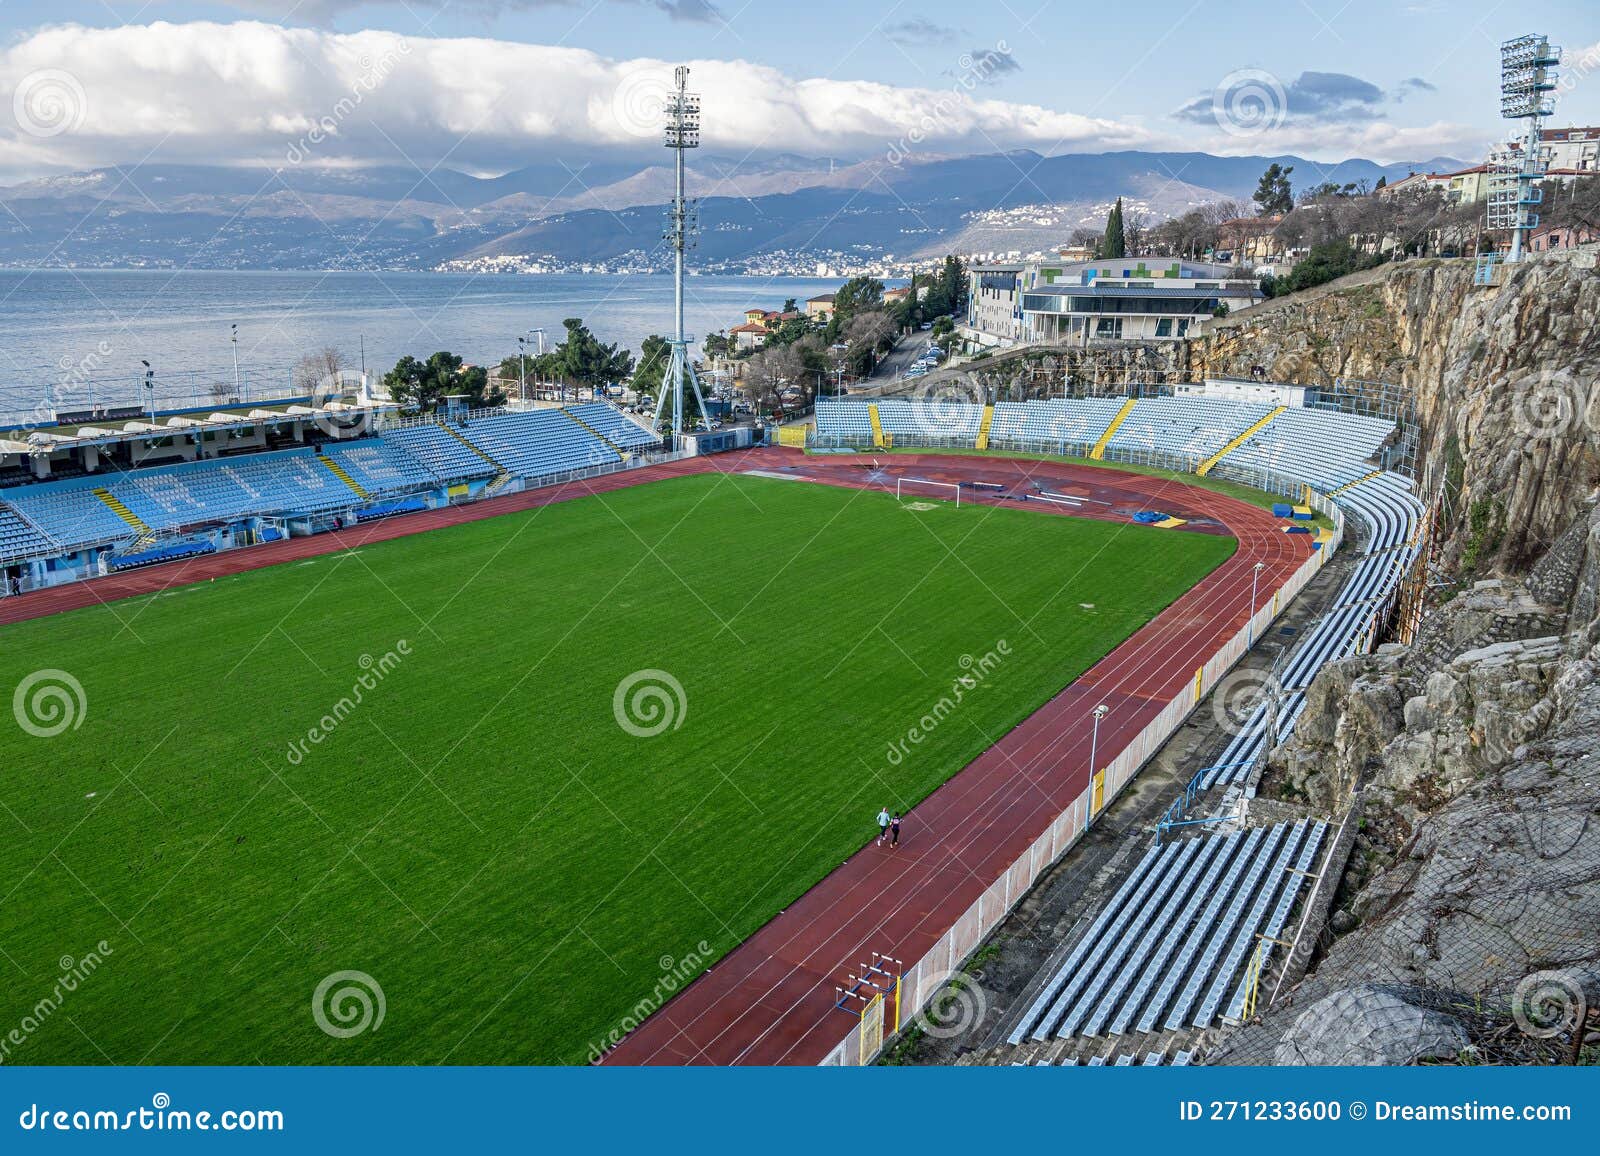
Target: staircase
{"points": [[114, 504], [1205, 466], [498, 482], [1352, 485], [877, 425], [983, 427], [598, 436], [1099, 452], [339, 472]]}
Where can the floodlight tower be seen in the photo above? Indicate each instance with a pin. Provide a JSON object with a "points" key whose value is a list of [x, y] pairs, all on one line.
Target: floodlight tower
{"points": [[683, 132], [1528, 68]]}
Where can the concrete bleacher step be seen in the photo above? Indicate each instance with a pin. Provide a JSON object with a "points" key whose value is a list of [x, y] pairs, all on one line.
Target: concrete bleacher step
{"points": [[605, 441], [1206, 466], [115, 505], [343, 475], [983, 427], [877, 425], [475, 449], [1099, 451]]}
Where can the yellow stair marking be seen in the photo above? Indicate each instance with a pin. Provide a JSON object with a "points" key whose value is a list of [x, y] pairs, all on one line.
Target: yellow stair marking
{"points": [[505, 474], [877, 426], [339, 472], [114, 504], [983, 427], [1205, 466], [1352, 485], [605, 441], [1099, 452]]}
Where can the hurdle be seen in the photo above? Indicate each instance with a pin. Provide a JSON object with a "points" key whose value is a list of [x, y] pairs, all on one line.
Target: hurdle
{"points": [[876, 986], [898, 482]]}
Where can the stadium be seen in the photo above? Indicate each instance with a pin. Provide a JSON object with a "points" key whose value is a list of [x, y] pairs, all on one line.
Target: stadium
{"points": [[512, 736]]}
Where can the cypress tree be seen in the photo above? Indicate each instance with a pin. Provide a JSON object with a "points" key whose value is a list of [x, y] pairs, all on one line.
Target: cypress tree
{"points": [[1115, 242]]}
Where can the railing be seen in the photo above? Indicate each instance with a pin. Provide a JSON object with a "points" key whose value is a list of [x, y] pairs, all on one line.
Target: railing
{"points": [[922, 980]]}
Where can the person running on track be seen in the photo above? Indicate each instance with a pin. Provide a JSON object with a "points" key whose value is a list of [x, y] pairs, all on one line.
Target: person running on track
{"points": [[894, 831], [883, 824]]}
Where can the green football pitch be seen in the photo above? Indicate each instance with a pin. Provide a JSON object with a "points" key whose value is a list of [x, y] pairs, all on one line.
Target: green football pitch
{"points": [[225, 826]]}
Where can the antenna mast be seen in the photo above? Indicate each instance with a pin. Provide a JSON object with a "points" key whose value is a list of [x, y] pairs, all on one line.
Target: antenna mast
{"points": [[683, 132]]}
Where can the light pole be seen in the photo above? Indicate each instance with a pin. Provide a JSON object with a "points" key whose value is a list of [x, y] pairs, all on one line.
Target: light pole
{"points": [[234, 340], [1250, 618], [522, 354], [1100, 712], [150, 388]]}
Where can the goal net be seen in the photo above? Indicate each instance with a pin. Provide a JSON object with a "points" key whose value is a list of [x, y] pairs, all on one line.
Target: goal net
{"points": [[950, 490]]}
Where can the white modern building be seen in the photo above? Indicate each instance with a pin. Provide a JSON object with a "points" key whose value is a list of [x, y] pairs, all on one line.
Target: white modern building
{"points": [[1120, 299]]}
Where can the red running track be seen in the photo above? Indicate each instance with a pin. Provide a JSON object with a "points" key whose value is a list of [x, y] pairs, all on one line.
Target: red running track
{"points": [[771, 1000]]}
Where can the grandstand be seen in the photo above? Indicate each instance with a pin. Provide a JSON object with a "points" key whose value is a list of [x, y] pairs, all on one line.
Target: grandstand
{"points": [[84, 502], [1386, 506], [1171, 949]]}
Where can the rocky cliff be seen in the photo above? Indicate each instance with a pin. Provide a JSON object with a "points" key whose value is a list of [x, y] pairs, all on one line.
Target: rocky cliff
{"points": [[1467, 922]]}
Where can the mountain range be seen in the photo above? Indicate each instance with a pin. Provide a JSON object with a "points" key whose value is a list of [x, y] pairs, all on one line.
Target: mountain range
{"points": [[784, 213]]}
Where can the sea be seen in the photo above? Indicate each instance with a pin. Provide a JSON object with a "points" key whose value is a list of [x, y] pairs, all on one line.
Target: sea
{"points": [[75, 339]]}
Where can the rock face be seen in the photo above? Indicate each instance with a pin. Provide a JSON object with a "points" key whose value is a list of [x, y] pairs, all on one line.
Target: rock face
{"points": [[1369, 1025], [1477, 863], [1503, 379]]}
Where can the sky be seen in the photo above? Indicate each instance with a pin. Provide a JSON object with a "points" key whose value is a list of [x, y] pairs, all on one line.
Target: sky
{"points": [[486, 86]]}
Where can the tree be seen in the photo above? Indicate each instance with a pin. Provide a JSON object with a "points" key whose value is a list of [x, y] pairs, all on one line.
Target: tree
{"points": [[947, 292], [1383, 183], [422, 385], [1115, 242], [1274, 194], [654, 355], [583, 360], [856, 294], [716, 345], [320, 370]]}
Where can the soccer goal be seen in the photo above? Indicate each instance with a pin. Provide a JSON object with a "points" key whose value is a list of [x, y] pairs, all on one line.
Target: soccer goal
{"points": [[955, 490]]}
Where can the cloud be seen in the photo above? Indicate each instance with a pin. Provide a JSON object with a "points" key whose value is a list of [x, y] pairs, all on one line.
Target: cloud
{"points": [[323, 12], [918, 30], [989, 65], [252, 92], [1327, 97]]}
